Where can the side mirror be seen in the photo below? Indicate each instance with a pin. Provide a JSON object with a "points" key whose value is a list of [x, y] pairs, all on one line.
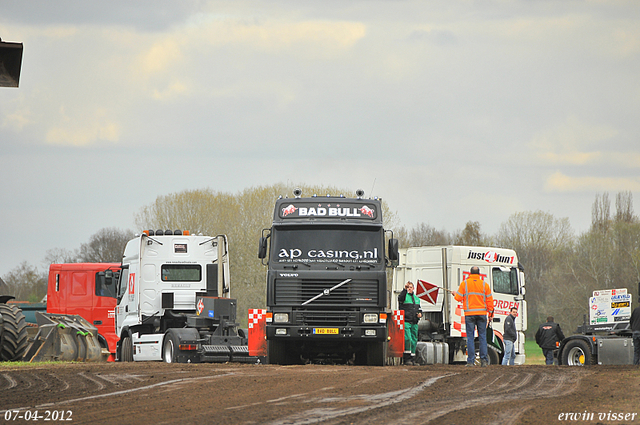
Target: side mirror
{"points": [[262, 249], [393, 250]]}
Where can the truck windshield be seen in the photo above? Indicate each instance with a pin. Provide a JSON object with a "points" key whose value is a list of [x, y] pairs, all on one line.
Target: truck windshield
{"points": [[106, 286], [505, 280], [181, 273], [327, 244]]}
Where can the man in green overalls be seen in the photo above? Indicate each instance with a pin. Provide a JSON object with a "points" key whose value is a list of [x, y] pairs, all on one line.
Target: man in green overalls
{"points": [[408, 302]]}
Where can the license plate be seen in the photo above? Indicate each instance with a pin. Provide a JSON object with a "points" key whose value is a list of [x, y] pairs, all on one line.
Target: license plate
{"points": [[326, 331]]}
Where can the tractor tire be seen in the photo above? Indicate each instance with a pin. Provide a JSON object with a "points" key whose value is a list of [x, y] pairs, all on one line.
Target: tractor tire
{"points": [[577, 353], [14, 340], [126, 349]]}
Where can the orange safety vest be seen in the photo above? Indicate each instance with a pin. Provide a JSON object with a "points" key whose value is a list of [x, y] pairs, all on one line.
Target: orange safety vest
{"points": [[475, 295]]}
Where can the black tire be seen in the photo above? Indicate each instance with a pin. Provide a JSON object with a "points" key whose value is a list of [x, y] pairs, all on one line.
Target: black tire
{"points": [[492, 354], [577, 353], [170, 348], [277, 352], [14, 339], [494, 357], [376, 353], [126, 349]]}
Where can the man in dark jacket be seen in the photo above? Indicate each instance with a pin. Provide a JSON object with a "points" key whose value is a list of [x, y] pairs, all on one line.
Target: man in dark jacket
{"points": [[510, 336], [408, 302], [548, 338], [635, 327]]}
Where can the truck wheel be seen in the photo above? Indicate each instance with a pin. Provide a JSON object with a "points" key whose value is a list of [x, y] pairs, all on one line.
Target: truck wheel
{"points": [[14, 340], [577, 353], [492, 354], [169, 348], [494, 357], [376, 353], [127, 349], [277, 352]]}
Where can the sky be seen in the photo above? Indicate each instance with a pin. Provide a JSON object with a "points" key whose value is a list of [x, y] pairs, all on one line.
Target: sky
{"points": [[451, 111]]}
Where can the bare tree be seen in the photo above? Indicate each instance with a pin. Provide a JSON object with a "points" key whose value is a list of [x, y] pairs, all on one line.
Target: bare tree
{"points": [[26, 283], [59, 256], [471, 235], [601, 212], [421, 235], [624, 207], [542, 242], [105, 246]]}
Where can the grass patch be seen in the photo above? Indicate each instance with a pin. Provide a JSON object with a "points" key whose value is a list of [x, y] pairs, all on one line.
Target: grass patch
{"points": [[533, 353]]}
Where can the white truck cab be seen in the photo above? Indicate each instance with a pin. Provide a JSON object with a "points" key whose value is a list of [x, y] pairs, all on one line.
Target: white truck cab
{"points": [[174, 298]]}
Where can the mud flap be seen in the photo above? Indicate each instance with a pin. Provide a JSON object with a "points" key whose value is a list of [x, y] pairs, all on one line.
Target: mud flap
{"points": [[396, 334], [64, 338], [257, 332]]}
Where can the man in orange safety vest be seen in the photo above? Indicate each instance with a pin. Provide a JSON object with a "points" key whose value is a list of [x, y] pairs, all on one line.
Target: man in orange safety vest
{"points": [[475, 295]]}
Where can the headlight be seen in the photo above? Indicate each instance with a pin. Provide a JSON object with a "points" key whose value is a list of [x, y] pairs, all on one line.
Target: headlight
{"points": [[370, 318], [280, 317], [370, 332], [281, 331]]}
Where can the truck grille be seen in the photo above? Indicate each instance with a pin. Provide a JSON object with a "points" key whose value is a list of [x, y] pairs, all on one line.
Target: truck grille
{"points": [[325, 318], [291, 292]]}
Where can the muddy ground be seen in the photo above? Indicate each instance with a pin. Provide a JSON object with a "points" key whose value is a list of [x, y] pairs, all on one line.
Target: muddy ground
{"points": [[158, 393]]}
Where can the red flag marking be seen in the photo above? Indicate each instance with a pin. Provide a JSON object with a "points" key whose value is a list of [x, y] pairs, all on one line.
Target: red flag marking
{"points": [[427, 291]]}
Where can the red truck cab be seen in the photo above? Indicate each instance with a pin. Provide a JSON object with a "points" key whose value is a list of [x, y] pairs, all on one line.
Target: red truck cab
{"points": [[88, 290]]}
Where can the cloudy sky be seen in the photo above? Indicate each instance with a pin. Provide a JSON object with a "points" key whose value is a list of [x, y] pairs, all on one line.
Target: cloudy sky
{"points": [[450, 110]]}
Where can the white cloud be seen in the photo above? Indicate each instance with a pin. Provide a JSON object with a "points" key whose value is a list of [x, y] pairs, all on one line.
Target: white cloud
{"points": [[559, 182], [84, 130], [573, 142]]}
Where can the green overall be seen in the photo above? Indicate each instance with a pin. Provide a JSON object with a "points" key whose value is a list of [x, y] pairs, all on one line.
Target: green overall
{"points": [[410, 329]]}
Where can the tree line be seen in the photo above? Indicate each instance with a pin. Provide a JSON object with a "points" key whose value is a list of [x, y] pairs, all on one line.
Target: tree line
{"points": [[562, 268]]}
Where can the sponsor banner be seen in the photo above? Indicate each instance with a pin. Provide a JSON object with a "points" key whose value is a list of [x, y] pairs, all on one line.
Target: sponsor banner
{"points": [[328, 210], [609, 306], [289, 255], [490, 257]]}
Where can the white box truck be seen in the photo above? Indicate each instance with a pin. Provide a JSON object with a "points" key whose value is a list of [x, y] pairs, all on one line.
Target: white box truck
{"points": [[441, 330]]}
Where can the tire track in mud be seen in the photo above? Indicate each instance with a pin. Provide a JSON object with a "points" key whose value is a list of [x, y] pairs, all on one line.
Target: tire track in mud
{"points": [[545, 385], [486, 388], [101, 386], [375, 401]]}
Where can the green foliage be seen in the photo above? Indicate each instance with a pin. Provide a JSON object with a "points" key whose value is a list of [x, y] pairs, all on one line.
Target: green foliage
{"points": [[533, 353]]}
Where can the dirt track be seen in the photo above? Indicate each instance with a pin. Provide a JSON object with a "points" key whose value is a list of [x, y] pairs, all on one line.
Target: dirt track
{"points": [[158, 393]]}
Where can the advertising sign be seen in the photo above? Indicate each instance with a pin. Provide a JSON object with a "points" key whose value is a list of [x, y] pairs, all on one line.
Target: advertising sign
{"points": [[609, 306]]}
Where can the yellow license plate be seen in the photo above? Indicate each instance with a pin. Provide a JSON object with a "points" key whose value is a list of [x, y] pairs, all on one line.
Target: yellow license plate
{"points": [[326, 331]]}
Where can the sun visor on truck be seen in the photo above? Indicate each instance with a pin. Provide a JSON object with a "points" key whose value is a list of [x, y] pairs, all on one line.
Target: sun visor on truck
{"points": [[10, 63]]}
